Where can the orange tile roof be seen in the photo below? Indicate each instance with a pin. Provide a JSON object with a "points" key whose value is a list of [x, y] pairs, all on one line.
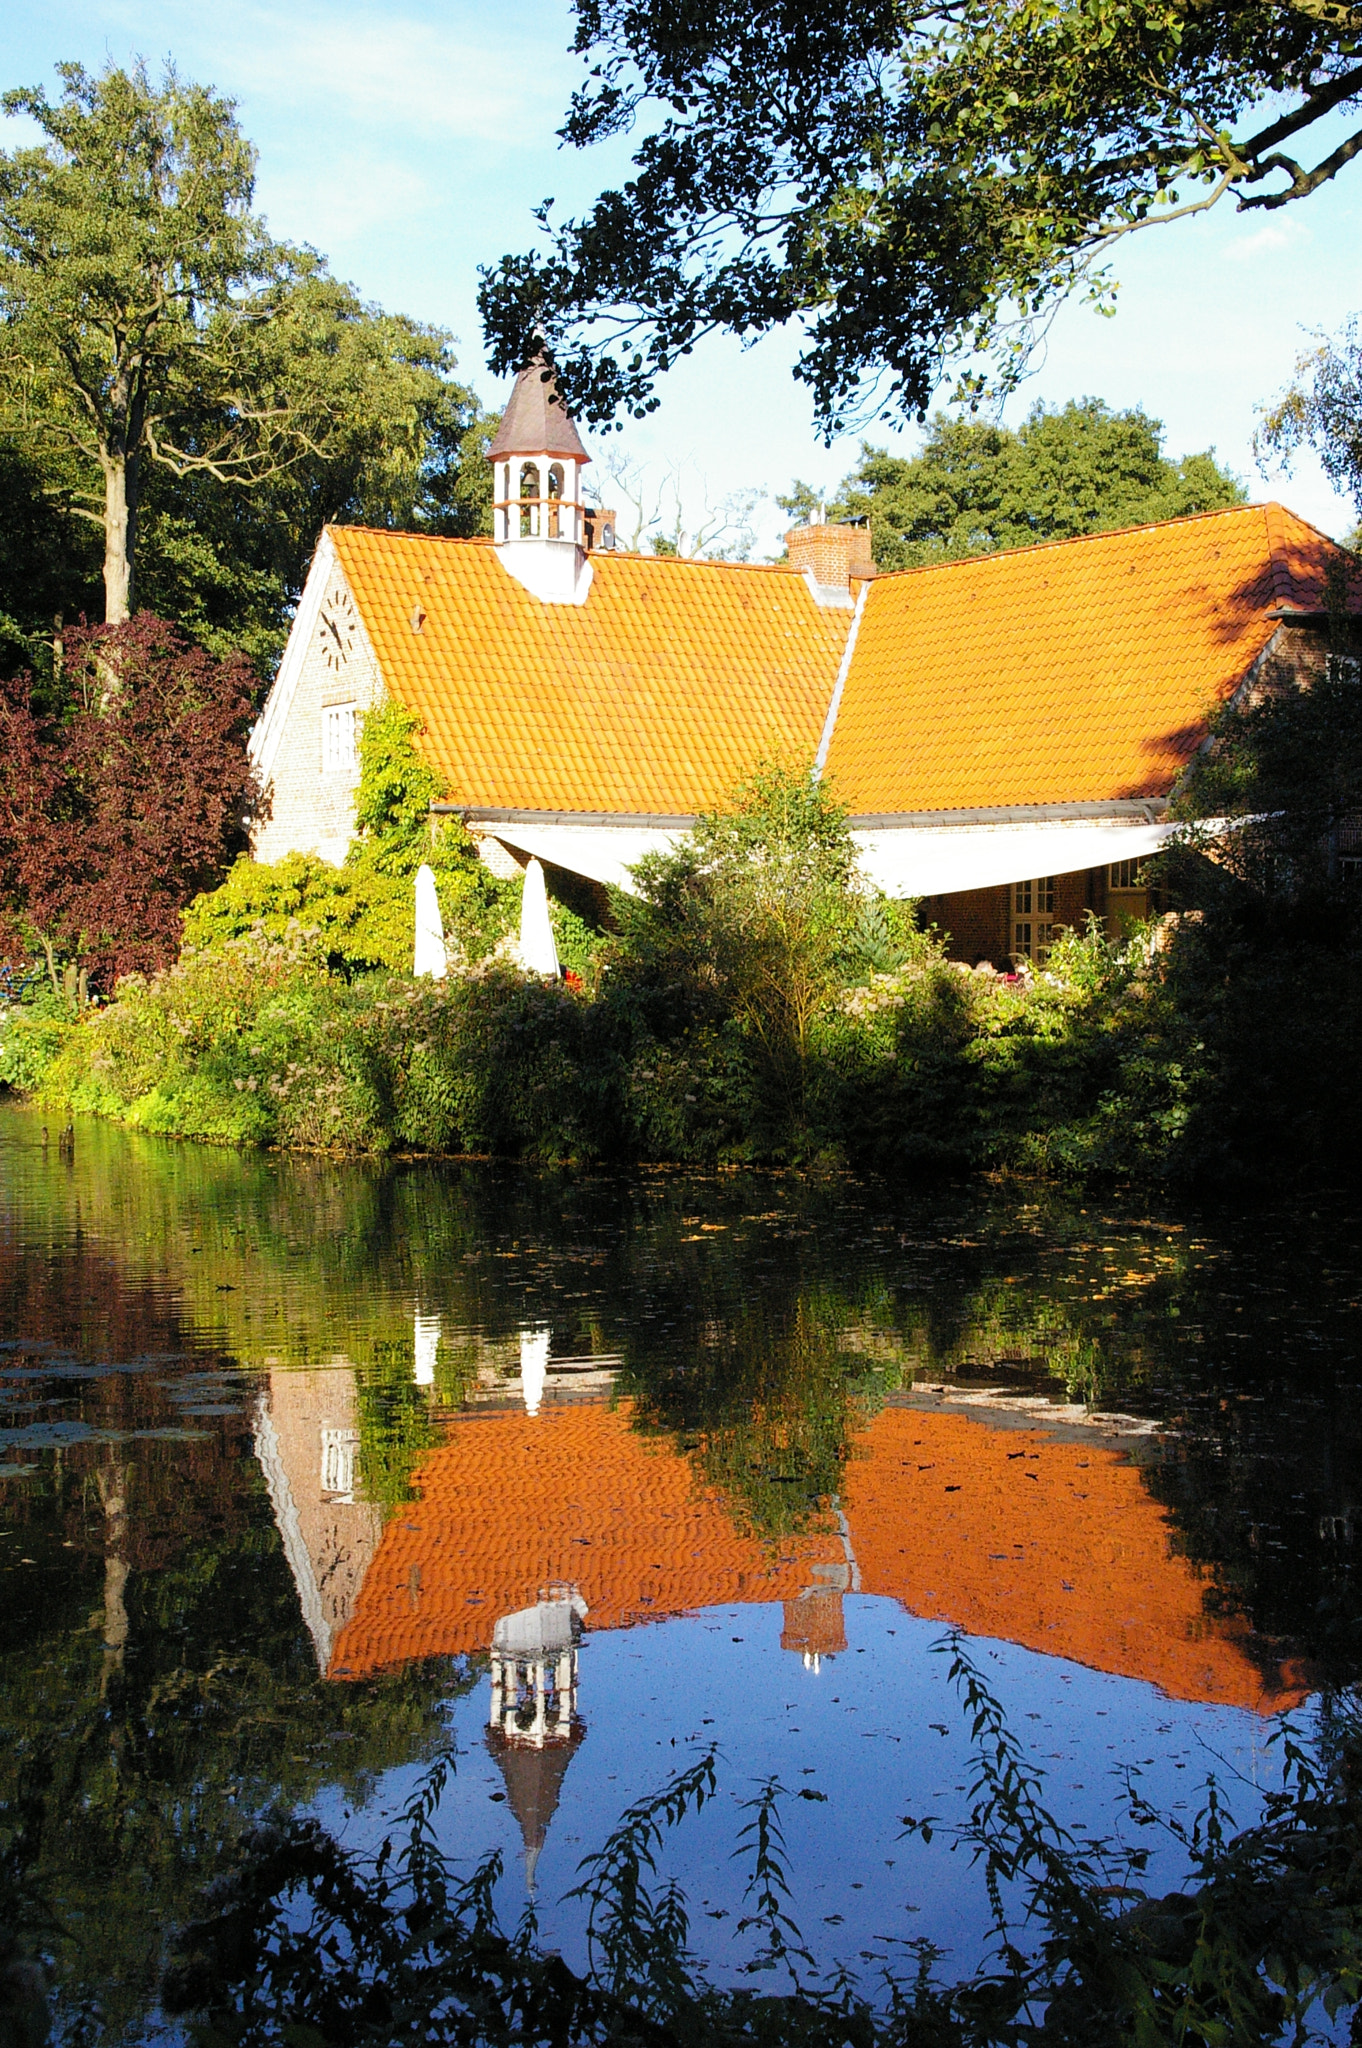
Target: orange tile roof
{"points": [[1076, 672], [1079, 671], [656, 696], [512, 1503]]}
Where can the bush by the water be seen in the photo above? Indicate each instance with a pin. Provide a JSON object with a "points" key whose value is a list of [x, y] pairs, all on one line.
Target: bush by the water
{"points": [[755, 1001]]}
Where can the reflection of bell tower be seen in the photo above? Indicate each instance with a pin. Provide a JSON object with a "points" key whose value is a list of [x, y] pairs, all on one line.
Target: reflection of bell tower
{"points": [[533, 1726]]}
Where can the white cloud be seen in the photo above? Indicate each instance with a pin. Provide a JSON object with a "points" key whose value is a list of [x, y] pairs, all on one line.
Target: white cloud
{"points": [[391, 73], [1270, 239]]}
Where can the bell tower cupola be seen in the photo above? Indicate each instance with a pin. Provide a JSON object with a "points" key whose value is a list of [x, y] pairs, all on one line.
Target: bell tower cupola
{"points": [[539, 519]]}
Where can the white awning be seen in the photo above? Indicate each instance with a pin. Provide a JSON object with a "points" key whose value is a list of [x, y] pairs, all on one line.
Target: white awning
{"points": [[938, 860], [901, 860], [602, 853]]}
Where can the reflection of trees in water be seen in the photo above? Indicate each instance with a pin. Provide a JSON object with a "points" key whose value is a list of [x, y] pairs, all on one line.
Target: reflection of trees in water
{"points": [[157, 1687], [765, 1407], [757, 1314], [1261, 1492], [764, 1402]]}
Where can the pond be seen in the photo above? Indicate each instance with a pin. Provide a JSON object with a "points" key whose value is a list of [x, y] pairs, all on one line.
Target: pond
{"points": [[310, 1473]]}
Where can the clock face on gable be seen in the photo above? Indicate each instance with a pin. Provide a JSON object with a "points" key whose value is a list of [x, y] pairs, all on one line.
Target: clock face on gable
{"points": [[337, 628]]}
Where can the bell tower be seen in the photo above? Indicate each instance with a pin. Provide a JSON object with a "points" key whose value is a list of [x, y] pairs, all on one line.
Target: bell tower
{"points": [[539, 520]]}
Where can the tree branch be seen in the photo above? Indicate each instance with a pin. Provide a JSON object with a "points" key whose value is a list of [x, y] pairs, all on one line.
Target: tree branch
{"points": [[1303, 183], [1316, 105]]}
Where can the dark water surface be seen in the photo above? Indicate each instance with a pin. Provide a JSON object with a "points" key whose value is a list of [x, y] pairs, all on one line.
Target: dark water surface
{"points": [[309, 1471]]}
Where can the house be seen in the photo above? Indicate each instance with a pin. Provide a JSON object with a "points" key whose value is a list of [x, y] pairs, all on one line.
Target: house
{"points": [[1006, 731]]}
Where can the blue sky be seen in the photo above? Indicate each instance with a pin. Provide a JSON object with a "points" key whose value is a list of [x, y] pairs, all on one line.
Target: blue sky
{"points": [[409, 142]]}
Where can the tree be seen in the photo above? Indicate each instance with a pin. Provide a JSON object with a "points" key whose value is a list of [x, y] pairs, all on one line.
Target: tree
{"points": [[757, 911], [975, 487], [1322, 409], [908, 183], [48, 569], [1286, 765], [407, 448], [201, 381], [111, 820], [664, 515]]}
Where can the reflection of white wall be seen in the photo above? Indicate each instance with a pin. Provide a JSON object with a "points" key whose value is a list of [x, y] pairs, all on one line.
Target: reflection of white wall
{"points": [[426, 1344], [534, 1367], [306, 1441]]}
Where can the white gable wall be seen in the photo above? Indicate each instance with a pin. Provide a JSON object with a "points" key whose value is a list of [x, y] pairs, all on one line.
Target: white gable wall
{"points": [[326, 667]]}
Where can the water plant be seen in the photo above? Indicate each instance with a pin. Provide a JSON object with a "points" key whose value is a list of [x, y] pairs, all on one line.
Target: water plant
{"points": [[308, 1940]]}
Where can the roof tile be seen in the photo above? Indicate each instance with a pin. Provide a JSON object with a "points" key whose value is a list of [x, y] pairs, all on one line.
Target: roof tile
{"points": [[1080, 671]]}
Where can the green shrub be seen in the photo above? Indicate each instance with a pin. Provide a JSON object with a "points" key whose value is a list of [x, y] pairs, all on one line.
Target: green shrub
{"points": [[30, 1043], [756, 1004], [363, 912]]}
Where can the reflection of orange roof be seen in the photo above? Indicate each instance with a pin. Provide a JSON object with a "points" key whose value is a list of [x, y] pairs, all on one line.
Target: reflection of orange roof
{"points": [[657, 695], [513, 1502], [1079, 671], [1056, 1546]]}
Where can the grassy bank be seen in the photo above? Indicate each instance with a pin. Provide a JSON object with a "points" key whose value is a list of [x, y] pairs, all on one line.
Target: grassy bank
{"points": [[260, 1042], [755, 1002]]}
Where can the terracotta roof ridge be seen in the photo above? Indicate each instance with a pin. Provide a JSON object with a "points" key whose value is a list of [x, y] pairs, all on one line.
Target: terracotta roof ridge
{"points": [[693, 562], [1284, 513], [391, 533], [1074, 540], [484, 540]]}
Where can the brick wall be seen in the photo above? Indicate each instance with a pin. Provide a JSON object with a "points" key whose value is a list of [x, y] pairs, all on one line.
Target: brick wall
{"points": [[982, 922], [311, 809]]}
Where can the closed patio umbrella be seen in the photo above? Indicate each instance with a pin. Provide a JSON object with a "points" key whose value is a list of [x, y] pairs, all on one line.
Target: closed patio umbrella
{"points": [[538, 953]]}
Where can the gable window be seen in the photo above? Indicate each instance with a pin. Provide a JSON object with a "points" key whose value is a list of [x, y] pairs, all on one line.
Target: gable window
{"points": [[1033, 908], [338, 739]]}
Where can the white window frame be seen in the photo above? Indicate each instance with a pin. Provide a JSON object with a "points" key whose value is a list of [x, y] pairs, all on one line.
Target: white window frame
{"points": [[1033, 919], [339, 733]]}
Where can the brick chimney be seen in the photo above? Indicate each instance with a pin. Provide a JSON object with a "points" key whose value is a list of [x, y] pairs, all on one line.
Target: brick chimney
{"points": [[828, 557], [601, 521]]}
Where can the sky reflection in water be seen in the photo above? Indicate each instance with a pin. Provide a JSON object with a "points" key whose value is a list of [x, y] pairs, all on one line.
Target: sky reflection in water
{"points": [[287, 1450]]}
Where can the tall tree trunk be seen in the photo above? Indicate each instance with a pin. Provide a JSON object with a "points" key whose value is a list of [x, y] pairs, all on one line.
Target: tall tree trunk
{"points": [[119, 515]]}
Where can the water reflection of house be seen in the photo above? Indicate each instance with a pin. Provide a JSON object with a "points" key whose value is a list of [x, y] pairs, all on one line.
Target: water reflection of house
{"points": [[1056, 1546], [307, 1441]]}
